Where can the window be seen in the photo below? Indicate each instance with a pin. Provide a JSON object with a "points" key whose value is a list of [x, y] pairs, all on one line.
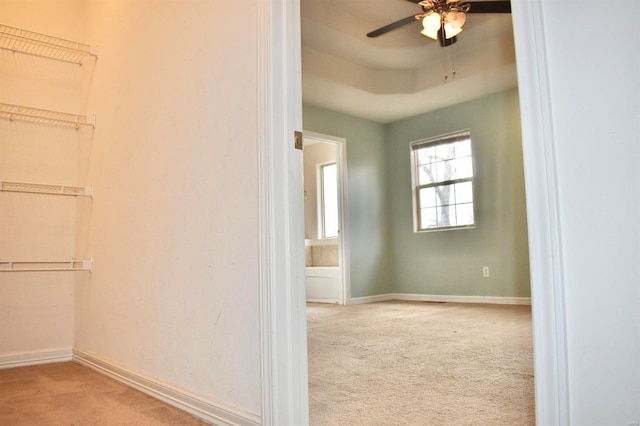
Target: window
{"points": [[328, 201], [443, 182]]}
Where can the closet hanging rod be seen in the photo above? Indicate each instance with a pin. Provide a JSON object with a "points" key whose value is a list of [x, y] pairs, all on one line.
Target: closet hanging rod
{"points": [[45, 116], [46, 266], [44, 46], [42, 188]]}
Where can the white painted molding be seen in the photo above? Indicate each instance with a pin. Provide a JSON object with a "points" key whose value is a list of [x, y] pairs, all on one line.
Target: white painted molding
{"points": [[210, 411], [345, 231], [442, 298], [545, 249], [281, 219], [547, 287], [320, 300], [495, 300], [369, 299], [34, 358], [267, 357]]}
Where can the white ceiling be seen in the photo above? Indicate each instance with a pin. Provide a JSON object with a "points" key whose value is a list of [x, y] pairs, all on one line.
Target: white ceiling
{"points": [[399, 74]]}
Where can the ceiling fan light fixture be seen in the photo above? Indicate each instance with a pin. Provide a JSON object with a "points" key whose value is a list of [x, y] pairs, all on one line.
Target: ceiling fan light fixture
{"points": [[436, 14], [431, 25], [456, 19], [451, 31]]}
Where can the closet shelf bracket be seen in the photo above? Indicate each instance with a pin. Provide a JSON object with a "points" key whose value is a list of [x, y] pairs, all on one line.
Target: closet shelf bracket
{"points": [[44, 116], [18, 40], [41, 188], [46, 266]]}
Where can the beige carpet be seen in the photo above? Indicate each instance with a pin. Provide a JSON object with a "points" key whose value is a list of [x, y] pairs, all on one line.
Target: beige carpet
{"points": [[70, 394], [414, 363]]}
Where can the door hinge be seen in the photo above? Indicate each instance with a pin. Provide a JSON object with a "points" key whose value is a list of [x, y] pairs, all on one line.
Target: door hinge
{"points": [[297, 140]]}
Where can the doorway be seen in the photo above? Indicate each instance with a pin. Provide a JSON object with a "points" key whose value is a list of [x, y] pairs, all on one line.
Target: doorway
{"points": [[326, 221], [283, 318]]}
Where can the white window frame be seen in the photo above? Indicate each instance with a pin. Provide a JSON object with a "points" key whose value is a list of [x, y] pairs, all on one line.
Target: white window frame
{"points": [[416, 187]]}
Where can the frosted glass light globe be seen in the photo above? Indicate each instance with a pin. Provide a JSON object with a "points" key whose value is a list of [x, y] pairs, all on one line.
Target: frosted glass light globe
{"points": [[431, 25]]}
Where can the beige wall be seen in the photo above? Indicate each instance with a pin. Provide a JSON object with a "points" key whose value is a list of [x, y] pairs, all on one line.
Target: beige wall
{"points": [[174, 231]]}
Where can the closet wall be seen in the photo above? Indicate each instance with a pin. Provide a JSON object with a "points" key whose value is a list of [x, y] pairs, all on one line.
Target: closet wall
{"points": [[37, 308], [173, 226], [174, 230]]}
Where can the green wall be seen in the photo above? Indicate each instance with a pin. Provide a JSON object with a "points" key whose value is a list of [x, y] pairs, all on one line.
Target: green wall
{"points": [[369, 237], [450, 262], [386, 255]]}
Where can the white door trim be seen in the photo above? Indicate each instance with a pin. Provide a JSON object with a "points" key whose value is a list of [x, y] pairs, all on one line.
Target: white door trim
{"points": [[541, 183], [283, 321], [343, 194], [283, 318]]}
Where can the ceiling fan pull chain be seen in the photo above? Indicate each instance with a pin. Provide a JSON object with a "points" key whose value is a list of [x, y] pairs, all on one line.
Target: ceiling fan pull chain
{"points": [[444, 62], [453, 62]]}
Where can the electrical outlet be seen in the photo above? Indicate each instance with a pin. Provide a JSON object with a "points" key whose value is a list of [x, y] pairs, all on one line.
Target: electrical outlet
{"points": [[485, 271]]}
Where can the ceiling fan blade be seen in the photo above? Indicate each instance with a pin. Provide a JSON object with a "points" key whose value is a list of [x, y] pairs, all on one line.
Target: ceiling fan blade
{"points": [[415, 1], [490, 6], [392, 26]]}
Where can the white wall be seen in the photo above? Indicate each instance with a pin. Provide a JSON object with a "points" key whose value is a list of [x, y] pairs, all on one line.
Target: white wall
{"points": [[173, 234], [595, 90], [37, 309]]}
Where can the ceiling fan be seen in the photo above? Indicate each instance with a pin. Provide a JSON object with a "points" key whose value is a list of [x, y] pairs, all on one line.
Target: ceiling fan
{"points": [[442, 20]]}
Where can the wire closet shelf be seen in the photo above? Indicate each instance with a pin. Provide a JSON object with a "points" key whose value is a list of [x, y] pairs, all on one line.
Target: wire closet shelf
{"points": [[46, 265], [44, 46], [43, 188], [44, 116]]}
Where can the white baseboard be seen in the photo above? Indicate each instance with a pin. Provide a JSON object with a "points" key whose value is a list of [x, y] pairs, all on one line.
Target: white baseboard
{"points": [[319, 300], [210, 411], [34, 358], [369, 299], [442, 298]]}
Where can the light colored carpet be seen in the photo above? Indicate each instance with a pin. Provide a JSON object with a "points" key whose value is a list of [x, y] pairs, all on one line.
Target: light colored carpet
{"points": [[414, 363], [70, 394]]}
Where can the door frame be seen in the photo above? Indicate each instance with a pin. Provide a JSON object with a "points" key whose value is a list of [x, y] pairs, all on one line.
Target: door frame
{"points": [[343, 208], [281, 216]]}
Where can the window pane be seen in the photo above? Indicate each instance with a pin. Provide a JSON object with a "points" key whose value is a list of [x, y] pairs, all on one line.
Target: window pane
{"points": [[463, 149], [424, 175], [449, 170], [444, 151], [428, 218], [427, 197], [426, 155], [441, 171], [464, 168], [464, 192], [446, 216], [445, 195], [330, 201], [464, 214]]}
